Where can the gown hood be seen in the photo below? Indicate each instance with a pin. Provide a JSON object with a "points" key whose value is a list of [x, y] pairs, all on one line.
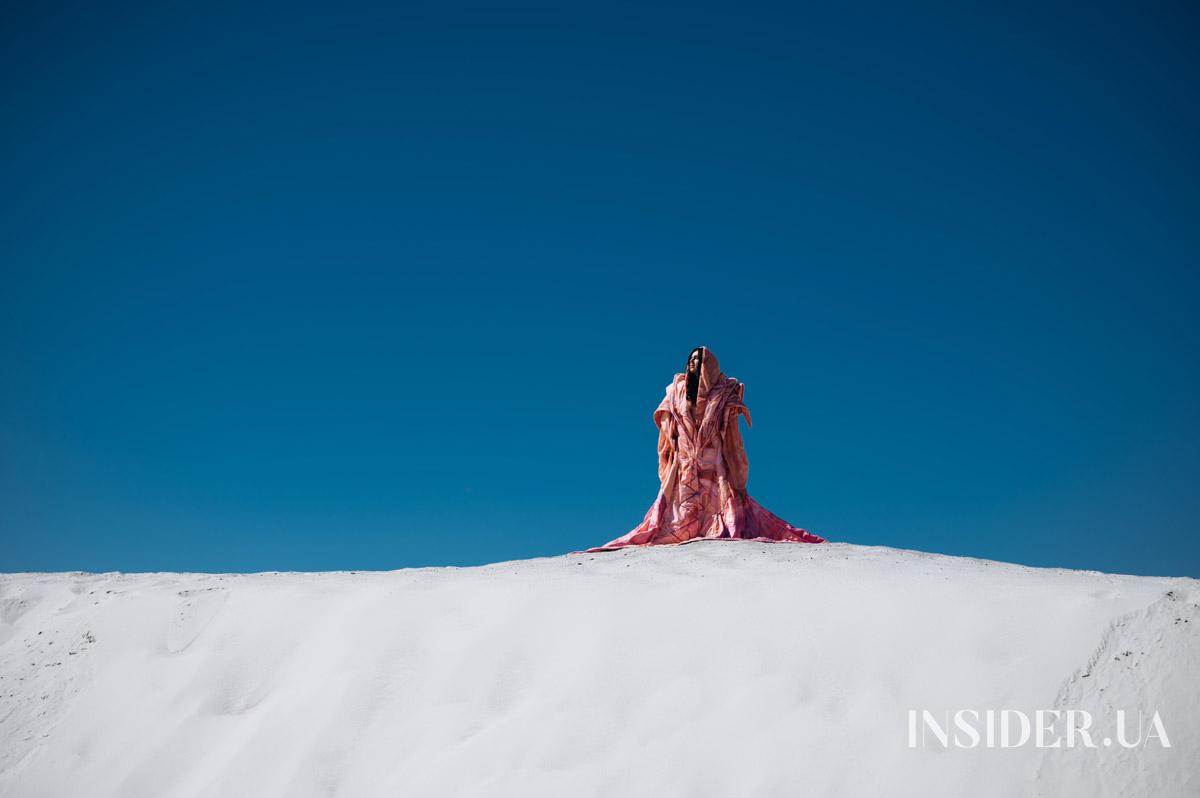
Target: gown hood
{"points": [[710, 372]]}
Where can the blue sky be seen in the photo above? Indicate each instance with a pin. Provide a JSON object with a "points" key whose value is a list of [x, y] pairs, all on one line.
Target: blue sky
{"points": [[391, 285]]}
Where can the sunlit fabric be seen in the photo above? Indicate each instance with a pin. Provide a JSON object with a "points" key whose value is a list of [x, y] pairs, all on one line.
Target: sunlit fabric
{"points": [[703, 469]]}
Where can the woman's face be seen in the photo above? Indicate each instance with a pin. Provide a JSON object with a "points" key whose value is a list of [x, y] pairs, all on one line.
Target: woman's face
{"points": [[694, 362]]}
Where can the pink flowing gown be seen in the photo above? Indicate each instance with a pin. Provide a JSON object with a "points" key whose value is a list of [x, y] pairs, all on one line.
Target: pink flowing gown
{"points": [[703, 470]]}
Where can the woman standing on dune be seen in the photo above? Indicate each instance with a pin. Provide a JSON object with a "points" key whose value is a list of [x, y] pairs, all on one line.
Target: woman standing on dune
{"points": [[703, 468]]}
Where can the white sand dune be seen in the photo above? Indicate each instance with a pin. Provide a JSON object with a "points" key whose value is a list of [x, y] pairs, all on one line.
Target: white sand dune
{"points": [[712, 669]]}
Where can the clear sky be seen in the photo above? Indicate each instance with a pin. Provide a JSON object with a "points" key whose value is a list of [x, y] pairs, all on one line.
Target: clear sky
{"points": [[399, 284]]}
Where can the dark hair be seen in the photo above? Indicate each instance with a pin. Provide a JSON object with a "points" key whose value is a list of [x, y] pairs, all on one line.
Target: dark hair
{"points": [[693, 380]]}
